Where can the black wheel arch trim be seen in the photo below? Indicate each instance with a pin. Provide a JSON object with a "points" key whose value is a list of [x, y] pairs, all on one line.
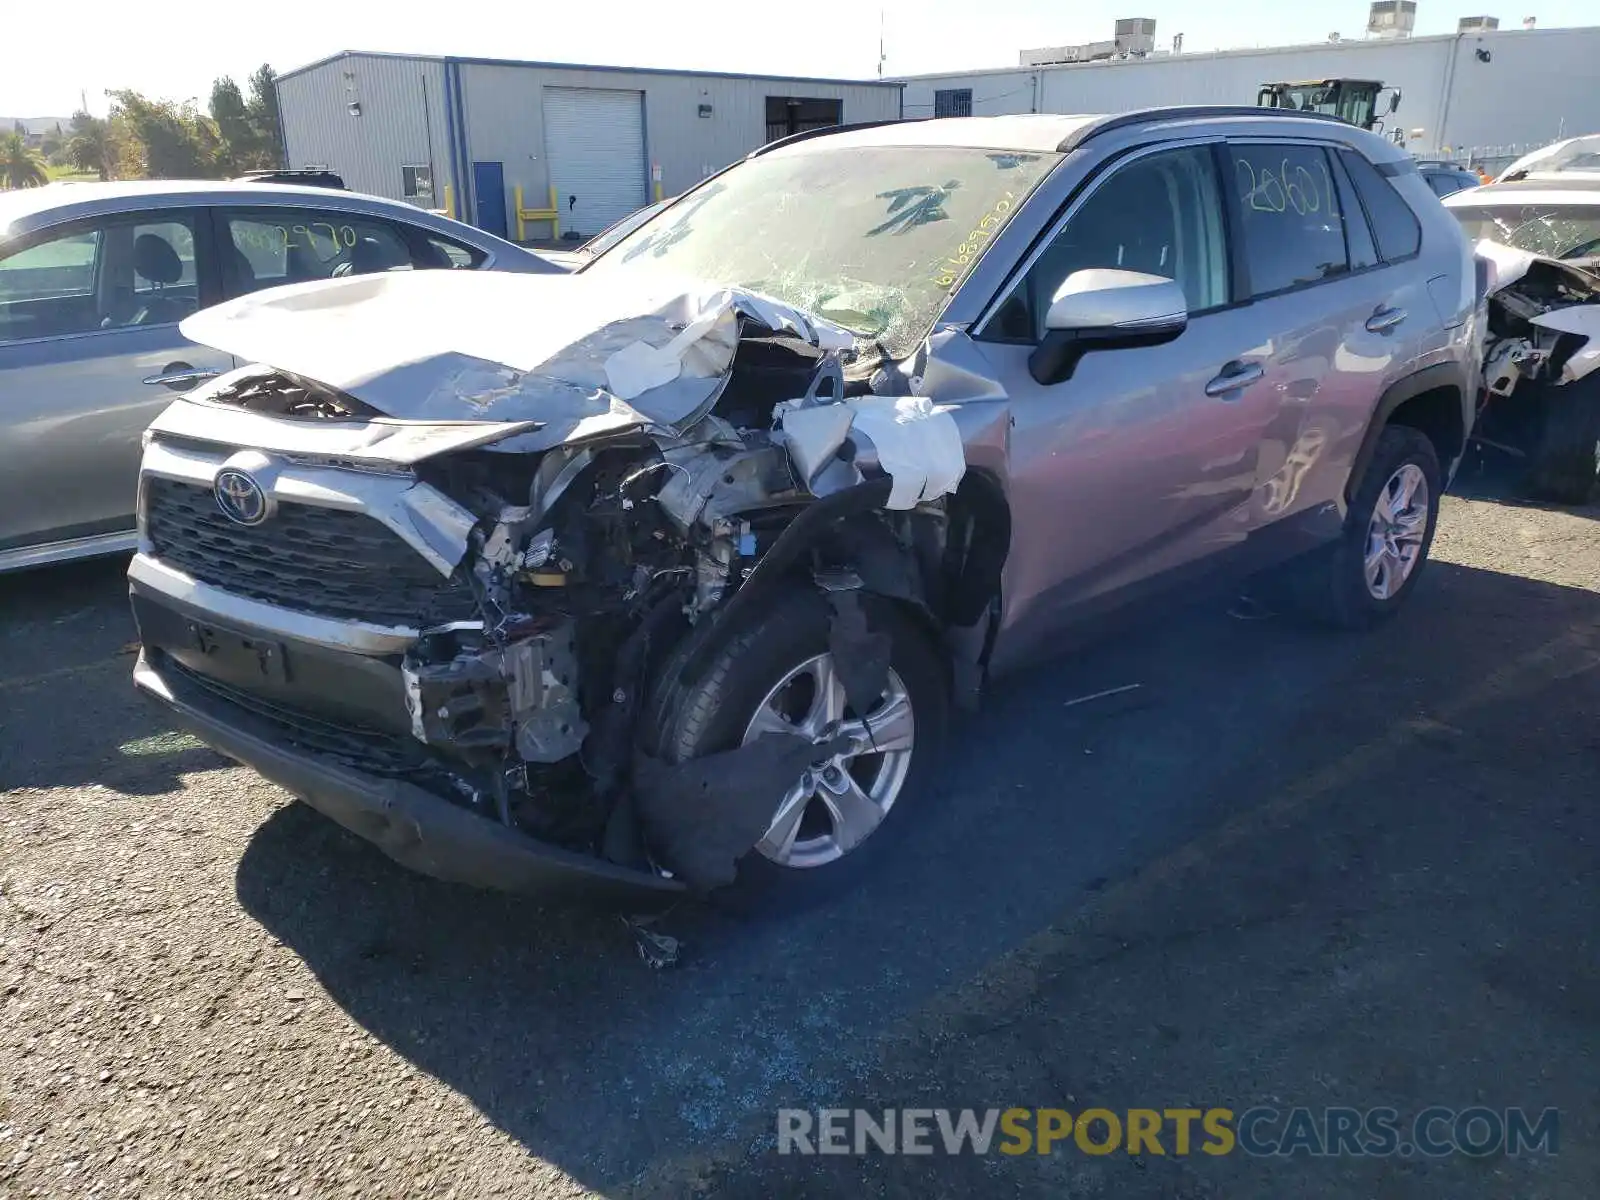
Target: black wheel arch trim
{"points": [[1429, 379]]}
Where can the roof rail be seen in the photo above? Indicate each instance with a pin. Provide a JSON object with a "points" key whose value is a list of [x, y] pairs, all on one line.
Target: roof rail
{"points": [[1184, 112], [805, 135]]}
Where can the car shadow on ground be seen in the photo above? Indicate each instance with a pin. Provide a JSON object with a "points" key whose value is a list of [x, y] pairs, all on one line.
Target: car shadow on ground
{"points": [[550, 1025], [66, 663]]}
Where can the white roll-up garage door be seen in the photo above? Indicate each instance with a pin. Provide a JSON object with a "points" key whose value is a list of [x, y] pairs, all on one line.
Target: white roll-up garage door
{"points": [[594, 139]]}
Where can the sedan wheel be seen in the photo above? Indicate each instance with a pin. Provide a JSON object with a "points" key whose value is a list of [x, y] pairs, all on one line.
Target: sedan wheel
{"points": [[844, 796]]}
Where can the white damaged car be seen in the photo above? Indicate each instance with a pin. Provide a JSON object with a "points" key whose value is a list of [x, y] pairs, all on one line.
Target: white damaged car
{"points": [[1538, 245]]}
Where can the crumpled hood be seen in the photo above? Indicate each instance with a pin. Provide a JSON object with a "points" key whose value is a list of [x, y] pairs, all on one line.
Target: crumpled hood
{"points": [[581, 354], [1509, 264]]}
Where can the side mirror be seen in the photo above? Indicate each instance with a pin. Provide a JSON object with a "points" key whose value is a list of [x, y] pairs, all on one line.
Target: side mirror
{"points": [[1105, 309]]}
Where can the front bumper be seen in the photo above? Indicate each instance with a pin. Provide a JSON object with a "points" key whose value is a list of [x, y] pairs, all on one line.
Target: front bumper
{"points": [[416, 828]]}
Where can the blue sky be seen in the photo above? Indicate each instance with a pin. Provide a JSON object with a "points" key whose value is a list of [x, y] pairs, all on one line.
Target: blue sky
{"points": [[176, 47]]}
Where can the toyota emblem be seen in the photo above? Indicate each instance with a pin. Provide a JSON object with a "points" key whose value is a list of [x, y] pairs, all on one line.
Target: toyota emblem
{"points": [[240, 497]]}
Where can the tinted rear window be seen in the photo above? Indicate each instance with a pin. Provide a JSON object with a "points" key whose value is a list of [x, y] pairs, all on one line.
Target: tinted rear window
{"points": [[1290, 216], [1394, 225]]}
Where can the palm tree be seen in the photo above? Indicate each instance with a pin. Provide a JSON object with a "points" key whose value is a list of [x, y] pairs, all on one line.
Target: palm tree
{"points": [[90, 147], [20, 167]]}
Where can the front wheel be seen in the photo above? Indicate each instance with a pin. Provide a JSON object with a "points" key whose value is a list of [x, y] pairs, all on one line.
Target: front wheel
{"points": [[775, 674], [1367, 574]]}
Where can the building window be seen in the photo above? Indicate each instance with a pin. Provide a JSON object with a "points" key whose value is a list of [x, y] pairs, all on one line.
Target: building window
{"points": [[788, 115], [417, 184], [952, 102]]}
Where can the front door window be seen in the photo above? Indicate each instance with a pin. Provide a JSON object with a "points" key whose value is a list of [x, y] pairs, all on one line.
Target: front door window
{"points": [[1161, 215]]}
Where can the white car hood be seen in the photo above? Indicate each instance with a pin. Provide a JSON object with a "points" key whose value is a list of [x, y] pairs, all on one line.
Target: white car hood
{"points": [[580, 354]]}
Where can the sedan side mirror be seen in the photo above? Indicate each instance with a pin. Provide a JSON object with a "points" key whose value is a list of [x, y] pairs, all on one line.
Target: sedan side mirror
{"points": [[1105, 309]]}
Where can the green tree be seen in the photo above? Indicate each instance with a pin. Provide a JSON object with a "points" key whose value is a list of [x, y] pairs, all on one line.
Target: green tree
{"points": [[161, 139], [20, 166], [264, 115], [238, 133], [90, 147]]}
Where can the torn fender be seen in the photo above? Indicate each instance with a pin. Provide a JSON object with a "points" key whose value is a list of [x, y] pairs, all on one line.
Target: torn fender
{"points": [[918, 444]]}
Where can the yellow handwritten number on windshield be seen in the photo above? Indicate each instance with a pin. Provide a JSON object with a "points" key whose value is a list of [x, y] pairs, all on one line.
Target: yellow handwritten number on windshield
{"points": [[949, 270]]}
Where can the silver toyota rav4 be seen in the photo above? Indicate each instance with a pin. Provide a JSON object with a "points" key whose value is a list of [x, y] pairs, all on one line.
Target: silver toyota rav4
{"points": [[666, 576]]}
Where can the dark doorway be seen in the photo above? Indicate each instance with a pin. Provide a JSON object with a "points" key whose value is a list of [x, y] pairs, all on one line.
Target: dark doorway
{"points": [[796, 114], [489, 184]]}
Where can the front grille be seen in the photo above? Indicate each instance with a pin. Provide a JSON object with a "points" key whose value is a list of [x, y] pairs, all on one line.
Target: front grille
{"points": [[316, 560], [368, 750]]}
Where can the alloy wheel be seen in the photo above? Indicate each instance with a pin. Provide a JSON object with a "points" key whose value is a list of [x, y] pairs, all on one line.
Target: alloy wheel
{"points": [[841, 798], [1396, 531]]}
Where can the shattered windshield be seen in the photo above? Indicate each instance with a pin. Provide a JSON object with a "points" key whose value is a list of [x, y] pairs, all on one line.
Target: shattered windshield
{"points": [[1553, 230], [872, 238]]}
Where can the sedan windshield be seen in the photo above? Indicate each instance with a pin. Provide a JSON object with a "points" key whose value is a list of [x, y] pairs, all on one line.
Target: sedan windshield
{"points": [[1555, 231], [872, 238]]}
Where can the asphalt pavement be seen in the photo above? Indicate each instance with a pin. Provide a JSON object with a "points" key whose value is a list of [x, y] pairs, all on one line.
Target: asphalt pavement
{"points": [[1290, 868]]}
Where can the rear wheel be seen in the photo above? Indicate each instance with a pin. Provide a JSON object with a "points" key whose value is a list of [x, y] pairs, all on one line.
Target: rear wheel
{"points": [[776, 675], [1565, 462], [1366, 575]]}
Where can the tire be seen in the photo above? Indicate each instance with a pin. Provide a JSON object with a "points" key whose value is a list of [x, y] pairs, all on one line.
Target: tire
{"points": [[1565, 460], [712, 712], [1331, 585]]}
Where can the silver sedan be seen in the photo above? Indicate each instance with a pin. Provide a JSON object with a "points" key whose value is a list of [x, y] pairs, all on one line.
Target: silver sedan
{"points": [[94, 278]]}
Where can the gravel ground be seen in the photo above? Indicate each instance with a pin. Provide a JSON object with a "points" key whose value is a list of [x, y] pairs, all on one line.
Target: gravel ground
{"points": [[1290, 866]]}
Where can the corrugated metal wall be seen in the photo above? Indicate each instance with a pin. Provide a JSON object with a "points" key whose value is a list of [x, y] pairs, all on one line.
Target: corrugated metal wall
{"points": [[394, 129], [1536, 87], [994, 93], [505, 117], [1417, 67], [502, 111]]}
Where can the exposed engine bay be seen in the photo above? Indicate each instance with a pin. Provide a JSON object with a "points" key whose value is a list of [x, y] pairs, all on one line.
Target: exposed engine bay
{"points": [[1541, 397], [669, 467]]}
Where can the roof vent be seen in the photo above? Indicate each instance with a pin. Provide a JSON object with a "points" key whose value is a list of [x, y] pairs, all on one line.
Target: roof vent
{"points": [[1392, 18]]}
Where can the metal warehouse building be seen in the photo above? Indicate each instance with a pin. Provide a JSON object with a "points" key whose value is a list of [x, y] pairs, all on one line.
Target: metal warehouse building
{"points": [[582, 146], [1491, 95]]}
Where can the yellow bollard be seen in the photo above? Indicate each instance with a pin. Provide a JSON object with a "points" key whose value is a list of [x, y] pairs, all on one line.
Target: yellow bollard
{"points": [[524, 215]]}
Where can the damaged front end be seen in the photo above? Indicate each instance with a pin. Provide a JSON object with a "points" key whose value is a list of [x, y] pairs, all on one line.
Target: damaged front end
{"points": [[1541, 390], [447, 589]]}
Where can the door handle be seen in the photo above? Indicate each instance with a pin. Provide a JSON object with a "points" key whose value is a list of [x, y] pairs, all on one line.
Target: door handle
{"points": [[1385, 319], [1234, 376], [180, 376]]}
